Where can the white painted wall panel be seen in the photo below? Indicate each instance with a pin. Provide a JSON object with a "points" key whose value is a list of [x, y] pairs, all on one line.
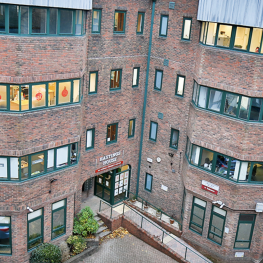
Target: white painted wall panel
{"points": [[237, 12], [72, 4]]}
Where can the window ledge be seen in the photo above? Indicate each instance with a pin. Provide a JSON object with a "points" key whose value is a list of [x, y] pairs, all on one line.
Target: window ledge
{"points": [[115, 90], [151, 141], [157, 90], [179, 97], [119, 34], [162, 38], [185, 41], [171, 148], [112, 143]]}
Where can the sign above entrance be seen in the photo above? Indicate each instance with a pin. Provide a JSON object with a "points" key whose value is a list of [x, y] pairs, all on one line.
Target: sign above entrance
{"points": [[110, 158], [109, 167], [212, 188]]}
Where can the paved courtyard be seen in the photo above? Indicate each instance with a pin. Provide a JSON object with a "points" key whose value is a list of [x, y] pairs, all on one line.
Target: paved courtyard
{"points": [[128, 249]]}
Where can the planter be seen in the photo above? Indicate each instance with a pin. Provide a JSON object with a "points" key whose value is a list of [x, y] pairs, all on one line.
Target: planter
{"points": [[146, 207], [133, 200], [158, 214], [171, 221]]}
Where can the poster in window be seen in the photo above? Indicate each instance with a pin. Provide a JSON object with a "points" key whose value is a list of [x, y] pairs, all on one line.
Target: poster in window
{"points": [[117, 178], [100, 180], [107, 183], [125, 187], [120, 190], [125, 181], [121, 176], [121, 183], [116, 185], [116, 192], [127, 174]]}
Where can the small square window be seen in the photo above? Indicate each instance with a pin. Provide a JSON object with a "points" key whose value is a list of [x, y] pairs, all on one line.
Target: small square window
{"points": [[153, 131], [163, 26], [140, 23], [93, 82], [174, 138], [96, 21], [180, 83], [131, 128], [158, 79], [148, 182], [90, 139], [112, 133], [187, 24], [115, 79], [135, 77], [119, 22]]}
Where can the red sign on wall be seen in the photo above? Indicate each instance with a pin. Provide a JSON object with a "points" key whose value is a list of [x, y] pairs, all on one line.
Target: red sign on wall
{"points": [[109, 166], [209, 189], [212, 188]]}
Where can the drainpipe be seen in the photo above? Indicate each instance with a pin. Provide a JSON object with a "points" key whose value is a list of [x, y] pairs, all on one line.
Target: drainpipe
{"points": [[145, 98]]}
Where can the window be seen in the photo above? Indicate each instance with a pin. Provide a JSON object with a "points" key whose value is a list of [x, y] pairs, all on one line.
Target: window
{"points": [[30, 20], [37, 164], [148, 182], [244, 231], [96, 21], [183, 205], [207, 159], [115, 79], [119, 22], [174, 138], [59, 214], [131, 128], [187, 24], [158, 79], [112, 133], [140, 23], [180, 85], [90, 139], [153, 131], [135, 77], [233, 37], [230, 104], [34, 229], [5, 234], [163, 26], [217, 224], [93, 82], [197, 215]]}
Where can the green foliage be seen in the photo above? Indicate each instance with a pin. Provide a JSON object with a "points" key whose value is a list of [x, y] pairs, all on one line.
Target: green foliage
{"points": [[46, 253], [85, 223], [77, 244]]}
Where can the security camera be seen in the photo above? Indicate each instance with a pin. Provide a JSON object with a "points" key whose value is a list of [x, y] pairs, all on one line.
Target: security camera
{"points": [[171, 154], [30, 209], [221, 206]]}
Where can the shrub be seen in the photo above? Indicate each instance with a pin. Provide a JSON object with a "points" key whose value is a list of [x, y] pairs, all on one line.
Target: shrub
{"points": [[77, 244], [85, 223], [46, 253]]}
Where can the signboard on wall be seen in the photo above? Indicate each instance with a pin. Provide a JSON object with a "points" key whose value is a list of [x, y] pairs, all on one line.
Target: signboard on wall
{"points": [[109, 167], [212, 188]]}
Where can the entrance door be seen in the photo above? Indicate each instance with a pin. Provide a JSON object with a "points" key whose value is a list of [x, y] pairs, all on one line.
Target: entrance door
{"points": [[103, 186]]}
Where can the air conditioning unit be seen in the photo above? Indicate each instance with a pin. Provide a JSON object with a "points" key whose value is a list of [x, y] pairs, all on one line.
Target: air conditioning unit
{"points": [[259, 207]]}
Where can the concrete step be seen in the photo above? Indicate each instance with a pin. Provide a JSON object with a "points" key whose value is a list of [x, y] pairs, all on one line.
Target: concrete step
{"points": [[101, 229], [103, 234], [97, 218], [101, 223]]}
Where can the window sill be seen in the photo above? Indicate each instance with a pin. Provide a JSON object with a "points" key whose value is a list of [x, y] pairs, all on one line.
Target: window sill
{"points": [[111, 143], [115, 90], [92, 94], [152, 141], [185, 41], [172, 148], [162, 37], [131, 137], [157, 90], [179, 97], [89, 149], [119, 34]]}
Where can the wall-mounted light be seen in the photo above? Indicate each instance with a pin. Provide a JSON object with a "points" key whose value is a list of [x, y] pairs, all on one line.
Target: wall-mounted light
{"points": [[171, 155], [52, 180], [30, 209]]}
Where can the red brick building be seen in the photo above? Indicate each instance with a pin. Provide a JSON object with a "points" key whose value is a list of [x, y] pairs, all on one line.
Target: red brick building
{"points": [[160, 98]]}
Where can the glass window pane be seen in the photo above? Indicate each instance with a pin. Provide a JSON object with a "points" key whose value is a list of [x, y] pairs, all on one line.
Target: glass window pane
{"points": [[195, 155], [207, 159], [244, 107], [195, 92], [92, 82], [234, 169], [211, 34], [50, 160], [2, 18], [115, 79], [244, 171], [139, 23], [255, 109], [112, 132], [131, 128], [202, 32], [62, 157], [257, 172], [231, 104], [14, 168], [241, 38], [38, 96], [58, 222], [174, 138], [180, 87], [34, 230], [24, 167], [148, 183], [158, 81], [96, 21], [89, 138], [244, 231], [5, 240], [202, 97], [219, 211], [153, 131], [76, 90], [13, 19], [66, 19], [215, 100], [119, 22], [73, 153], [64, 92], [24, 97], [3, 168], [187, 28], [39, 20], [53, 18], [52, 94], [135, 77], [3, 102], [78, 23], [255, 40], [4, 220], [164, 25], [224, 35], [37, 164], [221, 165], [14, 98], [24, 20]]}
